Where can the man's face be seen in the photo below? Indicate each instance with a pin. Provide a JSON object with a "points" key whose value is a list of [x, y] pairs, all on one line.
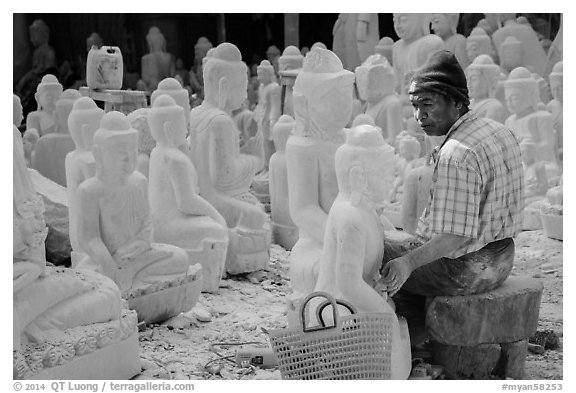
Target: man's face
{"points": [[434, 113]]}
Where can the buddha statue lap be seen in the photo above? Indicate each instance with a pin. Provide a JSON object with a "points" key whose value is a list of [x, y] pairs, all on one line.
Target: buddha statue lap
{"points": [[226, 171], [115, 230], [322, 105], [375, 80], [66, 323], [179, 215], [483, 77]]}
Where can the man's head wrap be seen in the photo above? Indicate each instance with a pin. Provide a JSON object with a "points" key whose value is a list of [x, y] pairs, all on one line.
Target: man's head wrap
{"points": [[441, 74]]}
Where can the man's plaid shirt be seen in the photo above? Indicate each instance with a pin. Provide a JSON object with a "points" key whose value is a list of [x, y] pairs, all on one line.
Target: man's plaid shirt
{"points": [[477, 185]]}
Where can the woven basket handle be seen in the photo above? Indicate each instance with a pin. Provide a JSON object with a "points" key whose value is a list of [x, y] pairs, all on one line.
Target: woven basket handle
{"points": [[329, 300]]}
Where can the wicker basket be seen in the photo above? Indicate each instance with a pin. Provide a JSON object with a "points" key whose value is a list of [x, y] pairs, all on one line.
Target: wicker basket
{"points": [[358, 346]]}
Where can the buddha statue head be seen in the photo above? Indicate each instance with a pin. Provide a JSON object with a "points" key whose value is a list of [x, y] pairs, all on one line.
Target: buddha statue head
{"points": [[155, 39], [225, 78], [39, 33], [375, 78], [291, 59], [174, 89], [363, 118], [265, 72], [444, 25], [322, 96], [510, 53], [362, 163], [281, 131], [478, 43], [272, 53], [409, 147], [201, 48], [483, 76], [528, 149], [94, 40], [410, 27], [17, 115], [47, 93], [115, 149], [521, 92], [63, 109], [83, 121], [167, 122], [384, 48], [485, 25], [556, 82], [319, 45]]}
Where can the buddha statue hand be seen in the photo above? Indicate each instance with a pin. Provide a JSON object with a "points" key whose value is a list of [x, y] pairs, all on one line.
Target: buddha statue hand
{"points": [[129, 268], [254, 145]]}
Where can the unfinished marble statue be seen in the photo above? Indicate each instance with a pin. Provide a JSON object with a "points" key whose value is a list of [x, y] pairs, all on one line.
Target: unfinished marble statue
{"points": [[483, 76], [384, 48], [415, 195], [115, 230], [179, 215], [83, 122], [555, 105], [527, 120], [157, 64], [47, 93], [414, 46], [533, 55], [284, 231], [353, 248], [354, 38], [267, 111], [289, 64], [444, 26], [51, 149], [138, 120], [376, 81], [479, 43], [67, 324], [322, 105], [225, 172]]}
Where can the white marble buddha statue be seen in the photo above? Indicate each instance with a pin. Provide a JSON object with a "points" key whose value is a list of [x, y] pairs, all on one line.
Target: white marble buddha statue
{"points": [[284, 231], [83, 122], [47, 93], [384, 48], [414, 46], [51, 149], [322, 105], [180, 216], [115, 228], [138, 120], [406, 160], [58, 308], [479, 43], [375, 80], [483, 76], [157, 64], [510, 54], [267, 111], [289, 63], [555, 105], [201, 49], [444, 26], [225, 172], [353, 247], [354, 38], [527, 120]]}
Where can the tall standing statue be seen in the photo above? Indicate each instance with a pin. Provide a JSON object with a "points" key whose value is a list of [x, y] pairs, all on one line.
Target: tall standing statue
{"points": [[157, 64], [180, 216], [201, 49], [267, 111], [355, 36], [444, 26], [322, 105], [116, 230], [376, 80], [83, 122], [225, 172], [61, 315]]}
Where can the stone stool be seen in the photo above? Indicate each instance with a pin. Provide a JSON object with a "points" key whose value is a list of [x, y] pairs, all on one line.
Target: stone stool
{"points": [[484, 335]]}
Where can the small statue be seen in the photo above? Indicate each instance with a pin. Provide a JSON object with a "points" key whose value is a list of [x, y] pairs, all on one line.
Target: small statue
{"points": [[179, 215], [201, 49], [284, 231], [289, 65], [555, 105], [272, 55], [355, 36], [116, 229], [483, 77], [48, 92], [267, 111], [157, 64], [322, 105], [376, 80], [138, 120], [444, 26], [384, 48], [510, 54], [178, 93], [51, 149], [539, 176], [83, 122], [225, 172], [409, 152], [479, 43], [353, 248]]}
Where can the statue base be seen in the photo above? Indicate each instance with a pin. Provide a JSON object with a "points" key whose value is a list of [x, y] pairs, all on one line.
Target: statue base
{"points": [[101, 351], [212, 257], [248, 250], [159, 302]]}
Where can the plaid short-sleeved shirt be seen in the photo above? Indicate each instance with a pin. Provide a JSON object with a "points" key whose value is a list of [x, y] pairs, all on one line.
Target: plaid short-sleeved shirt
{"points": [[477, 185]]}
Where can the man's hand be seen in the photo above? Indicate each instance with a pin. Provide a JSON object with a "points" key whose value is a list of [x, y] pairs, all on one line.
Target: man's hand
{"points": [[397, 272]]}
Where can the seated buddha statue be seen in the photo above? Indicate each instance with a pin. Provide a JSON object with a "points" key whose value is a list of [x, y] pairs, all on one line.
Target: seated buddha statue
{"points": [[157, 64], [47, 93]]}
